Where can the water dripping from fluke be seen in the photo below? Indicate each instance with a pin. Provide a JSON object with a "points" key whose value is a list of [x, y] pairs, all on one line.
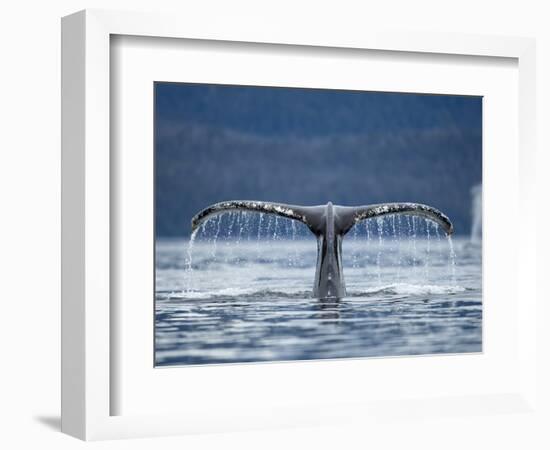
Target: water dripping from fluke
{"points": [[380, 229], [452, 260], [189, 260], [329, 224]]}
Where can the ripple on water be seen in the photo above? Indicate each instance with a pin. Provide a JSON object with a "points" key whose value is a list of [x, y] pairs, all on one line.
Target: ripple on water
{"points": [[240, 311]]}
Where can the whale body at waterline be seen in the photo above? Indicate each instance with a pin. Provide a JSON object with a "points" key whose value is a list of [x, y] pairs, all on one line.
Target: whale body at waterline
{"points": [[329, 223]]}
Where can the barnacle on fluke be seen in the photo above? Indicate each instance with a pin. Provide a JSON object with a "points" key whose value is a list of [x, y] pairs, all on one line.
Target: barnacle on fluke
{"points": [[329, 223]]}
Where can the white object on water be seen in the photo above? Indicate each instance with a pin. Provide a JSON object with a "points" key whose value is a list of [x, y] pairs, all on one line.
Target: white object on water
{"points": [[476, 229]]}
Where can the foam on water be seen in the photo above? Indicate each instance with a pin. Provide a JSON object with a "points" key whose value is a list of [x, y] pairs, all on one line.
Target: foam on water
{"points": [[410, 289], [397, 288]]}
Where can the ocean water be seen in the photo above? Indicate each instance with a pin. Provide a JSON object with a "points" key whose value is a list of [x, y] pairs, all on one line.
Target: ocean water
{"points": [[243, 294]]}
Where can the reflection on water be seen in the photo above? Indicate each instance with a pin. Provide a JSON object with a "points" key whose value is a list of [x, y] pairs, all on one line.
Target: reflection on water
{"points": [[329, 308], [250, 301]]}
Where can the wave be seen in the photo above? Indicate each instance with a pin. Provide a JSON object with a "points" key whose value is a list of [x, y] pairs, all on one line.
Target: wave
{"points": [[408, 289], [402, 289], [235, 292]]}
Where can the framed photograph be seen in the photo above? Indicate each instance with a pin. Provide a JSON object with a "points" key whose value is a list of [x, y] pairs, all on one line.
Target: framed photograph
{"points": [[235, 280], [253, 216]]}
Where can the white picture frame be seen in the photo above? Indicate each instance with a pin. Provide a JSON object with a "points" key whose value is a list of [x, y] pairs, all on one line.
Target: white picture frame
{"points": [[87, 325]]}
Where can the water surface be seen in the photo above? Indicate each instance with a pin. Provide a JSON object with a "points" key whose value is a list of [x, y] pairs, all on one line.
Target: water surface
{"points": [[244, 296]]}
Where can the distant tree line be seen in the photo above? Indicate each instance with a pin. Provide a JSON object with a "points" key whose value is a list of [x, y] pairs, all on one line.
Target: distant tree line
{"points": [[197, 165]]}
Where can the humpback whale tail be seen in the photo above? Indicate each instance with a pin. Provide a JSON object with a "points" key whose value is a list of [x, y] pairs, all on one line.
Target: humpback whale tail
{"points": [[329, 223]]}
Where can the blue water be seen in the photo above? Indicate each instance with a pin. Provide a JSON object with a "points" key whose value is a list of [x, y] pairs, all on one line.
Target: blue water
{"points": [[245, 297]]}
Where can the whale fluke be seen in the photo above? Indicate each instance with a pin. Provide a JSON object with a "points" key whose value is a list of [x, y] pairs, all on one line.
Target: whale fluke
{"points": [[289, 211], [355, 214], [329, 223]]}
